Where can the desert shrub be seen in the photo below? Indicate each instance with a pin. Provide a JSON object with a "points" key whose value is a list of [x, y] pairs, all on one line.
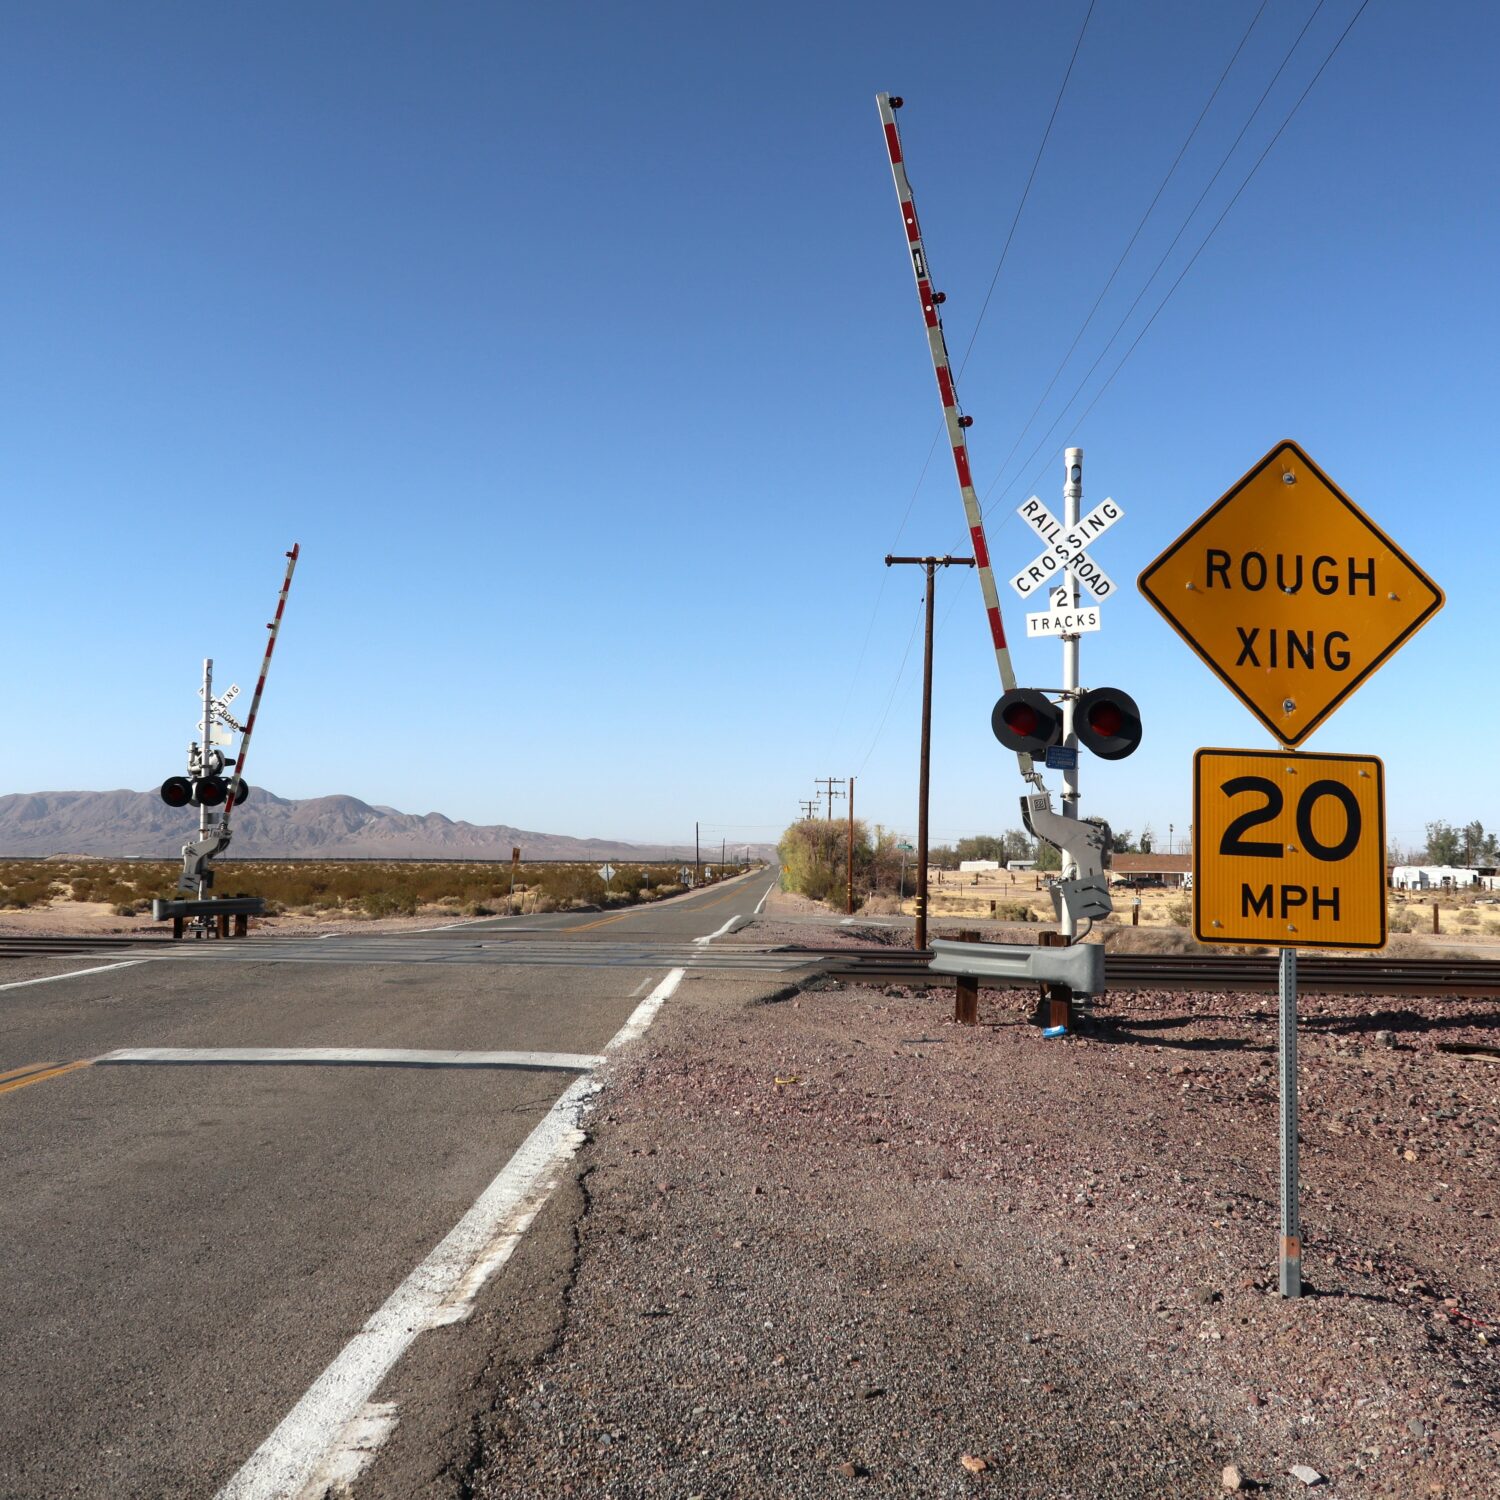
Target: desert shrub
{"points": [[1014, 911], [1180, 912], [479, 909], [1399, 919], [389, 904], [1468, 917]]}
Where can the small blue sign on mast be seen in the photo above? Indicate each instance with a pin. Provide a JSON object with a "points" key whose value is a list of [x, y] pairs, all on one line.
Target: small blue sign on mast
{"points": [[1062, 757]]}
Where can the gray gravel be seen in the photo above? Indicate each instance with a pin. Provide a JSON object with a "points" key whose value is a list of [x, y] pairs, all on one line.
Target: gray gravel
{"points": [[837, 1245]]}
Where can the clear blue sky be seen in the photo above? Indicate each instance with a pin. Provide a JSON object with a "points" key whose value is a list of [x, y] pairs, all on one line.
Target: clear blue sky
{"points": [[577, 345]]}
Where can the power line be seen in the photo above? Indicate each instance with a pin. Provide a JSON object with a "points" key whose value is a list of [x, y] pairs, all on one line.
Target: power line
{"points": [[891, 697], [1155, 271], [1026, 192], [1224, 214], [1130, 245]]}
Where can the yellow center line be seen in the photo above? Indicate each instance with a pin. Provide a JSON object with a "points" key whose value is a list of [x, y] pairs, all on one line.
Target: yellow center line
{"points": [[29, 1068], [41, 1077]]}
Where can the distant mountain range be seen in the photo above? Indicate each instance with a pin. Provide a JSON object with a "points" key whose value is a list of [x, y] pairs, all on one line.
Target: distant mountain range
{"points": [[38, 824]]}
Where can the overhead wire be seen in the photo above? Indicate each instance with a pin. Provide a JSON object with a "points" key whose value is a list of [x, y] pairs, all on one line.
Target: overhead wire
{"points": [[891, 696], [1203, 245], [1176, 238], [984, 307], [1026, 191], [1130, 244]]}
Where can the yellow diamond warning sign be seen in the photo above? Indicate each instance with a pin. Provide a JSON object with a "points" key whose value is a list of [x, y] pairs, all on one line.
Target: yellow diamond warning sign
{"points": [[1289, 849], [1290, 593]]}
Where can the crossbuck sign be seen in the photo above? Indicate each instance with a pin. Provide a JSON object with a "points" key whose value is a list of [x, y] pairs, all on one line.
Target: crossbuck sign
{"points": [[1066, 552]]}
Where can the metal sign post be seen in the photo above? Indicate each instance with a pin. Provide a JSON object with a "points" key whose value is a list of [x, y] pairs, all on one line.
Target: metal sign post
{"points": [[1291, 1223], [1293, 597], [1072, 495]]}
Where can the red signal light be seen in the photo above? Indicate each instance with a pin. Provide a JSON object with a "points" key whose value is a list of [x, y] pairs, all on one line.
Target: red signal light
{"points": [[1026, 721], [1107, 721]]}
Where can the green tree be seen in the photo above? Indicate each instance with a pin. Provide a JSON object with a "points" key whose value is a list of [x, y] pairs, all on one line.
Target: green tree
{"points": [[1445, 844], [1148, 840], [1480, 848], [1047, 857], [1123, 842]]}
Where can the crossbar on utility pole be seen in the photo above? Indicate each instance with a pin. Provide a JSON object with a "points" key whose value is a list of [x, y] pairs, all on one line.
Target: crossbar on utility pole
{"points": [[930, 564], [809, 806], [829, 782]]}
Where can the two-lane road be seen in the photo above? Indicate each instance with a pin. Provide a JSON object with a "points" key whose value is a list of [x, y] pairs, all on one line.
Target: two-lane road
{"points": [[230, 1174]]}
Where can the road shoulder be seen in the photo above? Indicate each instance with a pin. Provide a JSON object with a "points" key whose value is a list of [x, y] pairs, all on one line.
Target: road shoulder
{"points": [[836, 1239]]}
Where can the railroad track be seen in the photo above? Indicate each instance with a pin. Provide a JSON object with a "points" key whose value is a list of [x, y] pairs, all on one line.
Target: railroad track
{"points": [[1457, 978], [1465, 978]]}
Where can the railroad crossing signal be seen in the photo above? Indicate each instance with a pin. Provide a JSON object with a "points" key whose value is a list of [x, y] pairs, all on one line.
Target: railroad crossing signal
{"points": [[1289, 593], [1105, 720], [1289, 849]]}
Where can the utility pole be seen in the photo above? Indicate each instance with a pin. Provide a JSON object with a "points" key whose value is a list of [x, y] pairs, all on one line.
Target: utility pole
{"points": [[851, 847], [723, 850], [697, 858], [829, 782], [809, 806], [924, 765]]}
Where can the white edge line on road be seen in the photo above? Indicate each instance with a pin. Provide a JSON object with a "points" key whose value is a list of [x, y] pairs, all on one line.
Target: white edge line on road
{"points": [[703, 942], [645, 1013], [411, 1057], [333, 1431], [20, 984], [309, 1435]]}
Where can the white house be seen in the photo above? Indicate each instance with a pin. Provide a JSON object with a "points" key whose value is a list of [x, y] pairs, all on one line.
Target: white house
{"points": [[1433, 878], [974, 866]]}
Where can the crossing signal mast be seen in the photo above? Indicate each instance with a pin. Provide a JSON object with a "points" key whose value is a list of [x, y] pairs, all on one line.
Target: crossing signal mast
{"points": [[207, 787], [1027, 721]]}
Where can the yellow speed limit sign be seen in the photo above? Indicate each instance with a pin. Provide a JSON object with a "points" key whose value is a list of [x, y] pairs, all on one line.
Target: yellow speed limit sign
{"points": [[1288, 849]]}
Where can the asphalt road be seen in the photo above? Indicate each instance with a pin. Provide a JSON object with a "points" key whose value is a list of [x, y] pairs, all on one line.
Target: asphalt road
{"points": [[188, 1244]]}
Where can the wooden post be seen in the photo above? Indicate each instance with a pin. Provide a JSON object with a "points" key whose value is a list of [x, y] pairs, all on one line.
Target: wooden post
{"points": [[177, 929], [1055, 1001], [241, 924], [222, 921], [1135, 912], [966, 991], [1435, 926]]}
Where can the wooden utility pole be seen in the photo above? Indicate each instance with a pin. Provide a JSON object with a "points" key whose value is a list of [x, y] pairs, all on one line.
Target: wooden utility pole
{"points": [[924, 766], [851, 847], [809, 806], [829, 782], [697, 858]]}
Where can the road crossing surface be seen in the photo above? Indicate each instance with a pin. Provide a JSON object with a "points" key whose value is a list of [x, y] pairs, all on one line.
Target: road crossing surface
{"points": [[240, 1178]]}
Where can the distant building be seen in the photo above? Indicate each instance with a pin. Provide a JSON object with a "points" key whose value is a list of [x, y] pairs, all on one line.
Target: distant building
{"points": [[975, 866], [1440, 878], [1151, 869]]}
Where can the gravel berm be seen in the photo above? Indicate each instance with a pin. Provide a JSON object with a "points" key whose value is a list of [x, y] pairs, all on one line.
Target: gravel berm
{"points": [[832, 1244]]}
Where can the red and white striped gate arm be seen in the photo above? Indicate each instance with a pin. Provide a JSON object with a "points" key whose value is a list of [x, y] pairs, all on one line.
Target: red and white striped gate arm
{"points": [[260, 686], [956, 422]]}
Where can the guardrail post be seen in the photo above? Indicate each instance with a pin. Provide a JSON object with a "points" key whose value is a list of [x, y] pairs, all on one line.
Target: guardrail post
{"points": [[177, 923], [222, 923], [966, 991], [241, 925], [1054, 1001]]}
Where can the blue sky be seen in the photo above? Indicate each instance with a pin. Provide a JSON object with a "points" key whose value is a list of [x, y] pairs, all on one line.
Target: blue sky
{"points": [[577, 346]]}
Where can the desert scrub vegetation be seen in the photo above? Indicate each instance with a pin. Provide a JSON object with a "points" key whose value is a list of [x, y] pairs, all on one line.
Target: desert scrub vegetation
{"points": [[361, 888], [815, 861]]}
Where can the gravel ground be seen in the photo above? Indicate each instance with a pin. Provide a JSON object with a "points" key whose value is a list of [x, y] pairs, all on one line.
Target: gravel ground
{"points": [[836, 1244]]}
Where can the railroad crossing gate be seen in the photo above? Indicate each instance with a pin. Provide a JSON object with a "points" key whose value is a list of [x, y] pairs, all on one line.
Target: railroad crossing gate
{"points": [[1289, 849], [1289, 593]]}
